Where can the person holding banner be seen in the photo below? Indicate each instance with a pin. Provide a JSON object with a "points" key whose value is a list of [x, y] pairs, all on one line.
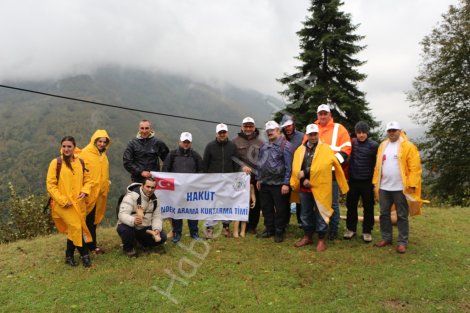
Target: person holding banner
{"points": [[219, 157], [273, 181], [184, 160], [248, 145], [139, 218]]}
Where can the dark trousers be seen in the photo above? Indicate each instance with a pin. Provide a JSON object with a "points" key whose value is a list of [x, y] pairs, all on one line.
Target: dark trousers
{"points": [[70, 250], [129, 235], [365, 190], [90, 223], [298, 213], [254, 214], [274, 206], [178, 226]]}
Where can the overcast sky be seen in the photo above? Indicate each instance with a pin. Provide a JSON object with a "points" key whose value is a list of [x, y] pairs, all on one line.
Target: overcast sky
{"points": [[248, 43]]}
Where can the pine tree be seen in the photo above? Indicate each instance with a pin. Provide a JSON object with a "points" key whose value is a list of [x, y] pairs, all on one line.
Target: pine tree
{"points": [[441, 97], [327, 73]]}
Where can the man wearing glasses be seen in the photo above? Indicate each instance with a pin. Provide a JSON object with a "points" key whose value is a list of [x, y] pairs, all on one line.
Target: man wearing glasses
{"points": [[397, 180], [143, 153]]}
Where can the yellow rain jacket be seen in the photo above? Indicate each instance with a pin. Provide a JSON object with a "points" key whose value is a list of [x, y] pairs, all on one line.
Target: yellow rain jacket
{"points": [[321, 177], [71, 220], [98, 165], [410, 172]]}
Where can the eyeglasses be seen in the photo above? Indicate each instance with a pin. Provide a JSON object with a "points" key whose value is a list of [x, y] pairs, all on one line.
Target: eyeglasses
{"points": [[222, 132], [145, 128], [392, 130]]}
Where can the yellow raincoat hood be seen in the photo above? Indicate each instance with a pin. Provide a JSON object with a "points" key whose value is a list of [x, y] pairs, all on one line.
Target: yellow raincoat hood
{"points": [[98, 165]]}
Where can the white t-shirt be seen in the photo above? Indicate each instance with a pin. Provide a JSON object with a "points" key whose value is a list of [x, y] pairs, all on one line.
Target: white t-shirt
{"points": [[391, 178]]}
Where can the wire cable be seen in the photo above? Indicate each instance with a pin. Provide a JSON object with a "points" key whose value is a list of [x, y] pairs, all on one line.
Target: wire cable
{"points": [[113, 106]]}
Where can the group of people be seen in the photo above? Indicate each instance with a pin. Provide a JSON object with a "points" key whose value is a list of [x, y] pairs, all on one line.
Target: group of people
{"points": [[307, 169]]}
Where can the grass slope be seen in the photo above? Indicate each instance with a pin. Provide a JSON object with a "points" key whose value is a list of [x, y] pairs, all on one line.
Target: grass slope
{"points": [[246, 275]]}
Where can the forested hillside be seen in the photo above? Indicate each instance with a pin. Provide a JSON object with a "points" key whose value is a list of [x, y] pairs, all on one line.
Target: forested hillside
{"points": [[31, 125]]}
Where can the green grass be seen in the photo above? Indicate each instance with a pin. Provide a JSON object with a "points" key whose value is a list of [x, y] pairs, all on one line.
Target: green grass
{"points": [[249, 275]]}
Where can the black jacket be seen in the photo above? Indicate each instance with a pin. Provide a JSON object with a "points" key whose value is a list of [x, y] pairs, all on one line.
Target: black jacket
{"points": [[218, 157], [362, 159], [142, 154], [183, 161]]}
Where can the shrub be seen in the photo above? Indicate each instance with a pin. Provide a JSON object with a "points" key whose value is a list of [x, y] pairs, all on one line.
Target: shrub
{"points": [[26, 217]]}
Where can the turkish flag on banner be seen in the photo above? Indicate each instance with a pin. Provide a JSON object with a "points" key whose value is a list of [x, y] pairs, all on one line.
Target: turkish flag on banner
{"points": [[165, 183]]}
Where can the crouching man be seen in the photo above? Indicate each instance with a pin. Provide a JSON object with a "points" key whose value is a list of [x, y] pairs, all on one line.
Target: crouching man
{"points": [[139, 218]]}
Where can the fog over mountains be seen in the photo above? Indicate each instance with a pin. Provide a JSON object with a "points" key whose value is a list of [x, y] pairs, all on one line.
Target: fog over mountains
{"points": [[32, 125]]}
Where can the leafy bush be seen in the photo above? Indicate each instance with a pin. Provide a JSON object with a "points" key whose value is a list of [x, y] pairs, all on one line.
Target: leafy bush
{"points": [[26, 217]]}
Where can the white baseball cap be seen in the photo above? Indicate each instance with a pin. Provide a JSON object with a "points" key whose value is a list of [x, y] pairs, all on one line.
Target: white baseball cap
{"points": [[220, 127], [271, 125], [248, 120], [287, 123], [323, 107], [186, 136], [393, 125], [311, 128]]}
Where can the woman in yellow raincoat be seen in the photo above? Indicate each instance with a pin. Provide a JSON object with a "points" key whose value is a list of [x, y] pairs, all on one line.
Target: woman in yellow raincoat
{"points": [[96, 161], [68, 184]]}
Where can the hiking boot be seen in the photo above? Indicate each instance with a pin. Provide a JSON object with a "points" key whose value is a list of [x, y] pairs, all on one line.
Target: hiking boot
{"points": [[401, 249], [279, 236], [209, 234], [367, 237], [195, 236], [131, 254], [265, 234], [383, 243], [70, 260], [307, 240], [321, 245], [86, 261], [348, 234], [176, 238]]}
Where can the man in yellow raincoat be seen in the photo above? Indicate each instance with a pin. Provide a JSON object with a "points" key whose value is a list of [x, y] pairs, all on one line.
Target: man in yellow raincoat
{"points": [[397, 180], [312, 178], [68, 184], [96, 161]]}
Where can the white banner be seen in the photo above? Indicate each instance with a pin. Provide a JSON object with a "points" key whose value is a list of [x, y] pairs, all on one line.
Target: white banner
{"points": [[221, 196]]}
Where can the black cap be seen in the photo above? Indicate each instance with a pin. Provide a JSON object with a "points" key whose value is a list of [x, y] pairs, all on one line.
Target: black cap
{"points": [[361, 127]]}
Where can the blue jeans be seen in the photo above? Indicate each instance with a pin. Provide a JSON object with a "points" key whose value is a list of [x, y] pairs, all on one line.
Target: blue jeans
{"points": [[311, 217], [334, 220], [178, 226]]}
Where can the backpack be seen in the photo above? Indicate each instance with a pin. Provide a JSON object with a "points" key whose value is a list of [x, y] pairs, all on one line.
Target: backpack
{"points": [[57, 175], [135, 188]]}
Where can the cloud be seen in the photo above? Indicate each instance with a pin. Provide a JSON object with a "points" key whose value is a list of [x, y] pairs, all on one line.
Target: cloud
{"points": [[248, 43]]}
